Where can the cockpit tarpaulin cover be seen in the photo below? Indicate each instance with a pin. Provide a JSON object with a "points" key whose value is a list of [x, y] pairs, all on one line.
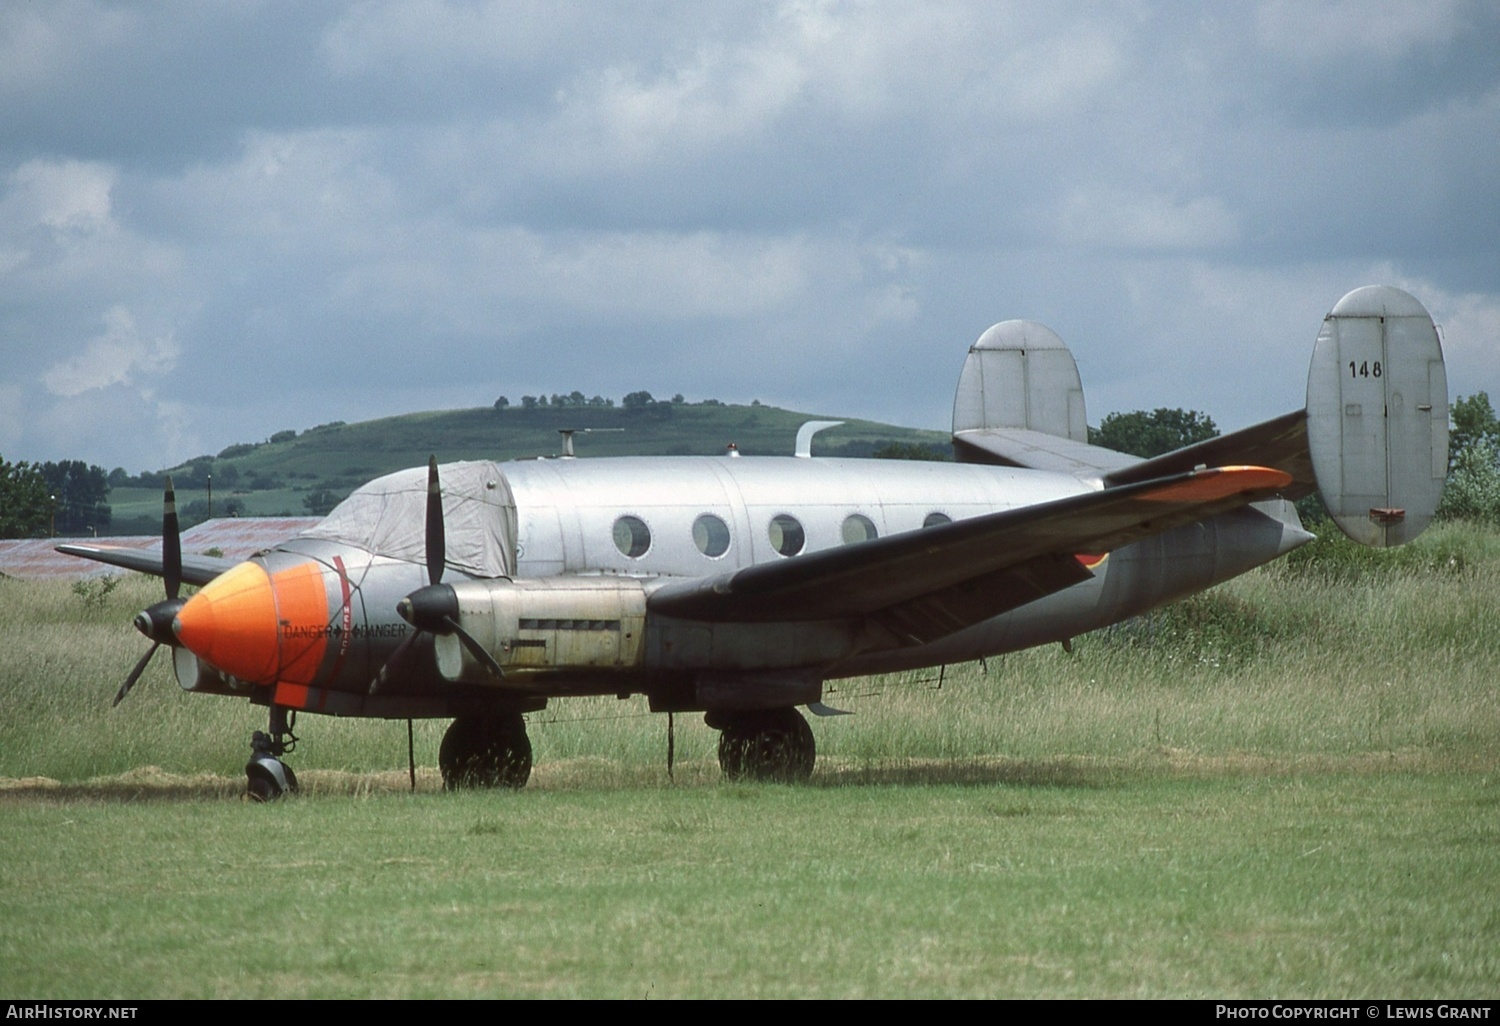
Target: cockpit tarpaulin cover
{"points": [[388, 518]]}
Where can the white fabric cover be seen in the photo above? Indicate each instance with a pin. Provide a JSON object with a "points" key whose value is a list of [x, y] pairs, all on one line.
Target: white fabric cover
{"points": [[388, 518]]}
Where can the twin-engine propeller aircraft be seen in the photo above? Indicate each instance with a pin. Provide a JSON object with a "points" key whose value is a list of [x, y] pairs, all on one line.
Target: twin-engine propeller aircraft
{"points": [[737, 587]]}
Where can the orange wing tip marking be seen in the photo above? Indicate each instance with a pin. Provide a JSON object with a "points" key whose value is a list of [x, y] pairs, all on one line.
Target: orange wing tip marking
{"points": [[1089, 560], [1219, 483]]}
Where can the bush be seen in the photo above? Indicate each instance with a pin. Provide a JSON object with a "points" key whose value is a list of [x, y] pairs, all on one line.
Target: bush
{"points": [[1473, 488]]}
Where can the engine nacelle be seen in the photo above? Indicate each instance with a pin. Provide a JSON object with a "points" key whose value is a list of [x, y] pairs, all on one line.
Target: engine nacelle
{"points": [[556, 623]]}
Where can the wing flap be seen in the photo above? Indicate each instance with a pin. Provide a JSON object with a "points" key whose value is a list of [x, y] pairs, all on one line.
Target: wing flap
{"points": [[948, 610], [936, 580]]}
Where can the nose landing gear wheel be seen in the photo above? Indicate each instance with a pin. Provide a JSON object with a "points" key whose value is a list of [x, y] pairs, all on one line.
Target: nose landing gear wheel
{"points": [[268, 779], [266, 776]]}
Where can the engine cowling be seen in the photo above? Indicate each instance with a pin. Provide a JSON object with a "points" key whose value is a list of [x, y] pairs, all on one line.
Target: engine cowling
{"points": [[550, 624]]}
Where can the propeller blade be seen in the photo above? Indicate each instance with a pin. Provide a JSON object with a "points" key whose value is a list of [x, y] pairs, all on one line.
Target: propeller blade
{"points": [[380, 678], [156, 621], [437, 544], [431, 609], [171, 543], [477, 650], [135, 674]]}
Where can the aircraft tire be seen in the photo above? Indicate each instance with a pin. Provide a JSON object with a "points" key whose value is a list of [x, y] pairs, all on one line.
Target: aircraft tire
{"points": [[770, 744], [490, 750], [262, 785]]}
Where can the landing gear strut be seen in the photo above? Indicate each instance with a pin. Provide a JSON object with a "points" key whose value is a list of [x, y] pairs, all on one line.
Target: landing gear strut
{"points": [[764, 744], [268, 778], [486, 750]]}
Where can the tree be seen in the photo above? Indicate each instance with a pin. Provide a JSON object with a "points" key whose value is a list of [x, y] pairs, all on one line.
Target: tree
{"points": [[501, 403], [637, 400], [25, 503], [320, 502], [1472, 491], [79, 492], [1474, 423], [1151, 434]]}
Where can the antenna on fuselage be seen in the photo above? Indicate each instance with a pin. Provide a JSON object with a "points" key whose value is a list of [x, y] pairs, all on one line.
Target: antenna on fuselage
{"points": [[568, 434]]}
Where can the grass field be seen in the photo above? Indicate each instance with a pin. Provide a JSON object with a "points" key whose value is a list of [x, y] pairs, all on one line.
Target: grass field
{"points": [[1286, 787]]}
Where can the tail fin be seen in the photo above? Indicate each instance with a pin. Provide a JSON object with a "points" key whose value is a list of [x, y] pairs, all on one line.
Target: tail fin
{"points": [[1021, 375], [1373, 439], [1020, 404], [1377, 416]]}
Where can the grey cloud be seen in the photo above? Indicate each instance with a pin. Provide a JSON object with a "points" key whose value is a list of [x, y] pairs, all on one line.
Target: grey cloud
{"points": [[348, 210]]}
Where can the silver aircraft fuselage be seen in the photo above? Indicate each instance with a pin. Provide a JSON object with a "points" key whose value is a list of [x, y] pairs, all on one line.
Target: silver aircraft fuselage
{"points": [[567, 517], [566, 511]]}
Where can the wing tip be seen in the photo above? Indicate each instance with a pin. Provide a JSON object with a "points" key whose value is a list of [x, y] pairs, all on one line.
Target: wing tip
{"points": [[1208, 484]]}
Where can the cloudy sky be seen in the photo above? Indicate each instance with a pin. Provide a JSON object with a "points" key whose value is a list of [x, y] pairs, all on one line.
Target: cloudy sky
{"points": [[218, 221]]}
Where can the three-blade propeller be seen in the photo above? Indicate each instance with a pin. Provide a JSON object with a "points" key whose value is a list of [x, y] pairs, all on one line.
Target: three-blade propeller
{"points": [[155, 622], [433, 609]]}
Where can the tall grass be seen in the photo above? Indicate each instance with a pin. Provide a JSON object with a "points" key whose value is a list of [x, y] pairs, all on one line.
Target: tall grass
{"points": [[1284, 787], [1338, 653]]}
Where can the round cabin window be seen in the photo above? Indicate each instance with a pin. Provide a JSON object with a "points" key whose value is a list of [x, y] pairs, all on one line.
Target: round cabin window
{"points": [[936, 520], [632, 536], [786, 534], [711, 535], [858, 528]]}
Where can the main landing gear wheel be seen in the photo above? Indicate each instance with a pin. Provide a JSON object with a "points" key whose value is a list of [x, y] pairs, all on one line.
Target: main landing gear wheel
{"points": [[766, 744], [489, 750]]}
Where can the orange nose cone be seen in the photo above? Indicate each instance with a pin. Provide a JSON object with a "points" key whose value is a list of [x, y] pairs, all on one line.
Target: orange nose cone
{"points": [[257, 626]]}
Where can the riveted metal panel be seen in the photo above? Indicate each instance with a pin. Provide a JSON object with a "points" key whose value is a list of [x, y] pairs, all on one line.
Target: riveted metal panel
{"points": [[1377, 416], [1021, 375], [558, 623]]}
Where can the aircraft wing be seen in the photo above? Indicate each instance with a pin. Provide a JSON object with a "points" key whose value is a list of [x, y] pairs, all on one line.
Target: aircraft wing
{"points": [[195, 569], [928, 583], [1280, 443]]}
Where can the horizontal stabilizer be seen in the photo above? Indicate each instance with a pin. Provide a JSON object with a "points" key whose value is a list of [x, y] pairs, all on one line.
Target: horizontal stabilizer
{"points": [[1017, 447], [928, 583]]}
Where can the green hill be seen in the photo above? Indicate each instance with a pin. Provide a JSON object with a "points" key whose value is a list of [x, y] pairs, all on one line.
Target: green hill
{"points": [[324, 463]]}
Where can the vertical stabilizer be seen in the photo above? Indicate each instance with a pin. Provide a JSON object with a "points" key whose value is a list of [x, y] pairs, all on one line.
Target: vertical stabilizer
{"points": [[1020, 375], [1377, 416]]}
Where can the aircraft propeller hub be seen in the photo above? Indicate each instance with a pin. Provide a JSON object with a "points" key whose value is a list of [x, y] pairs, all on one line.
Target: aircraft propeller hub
{"points": [[430, 608], [155, 622]]}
